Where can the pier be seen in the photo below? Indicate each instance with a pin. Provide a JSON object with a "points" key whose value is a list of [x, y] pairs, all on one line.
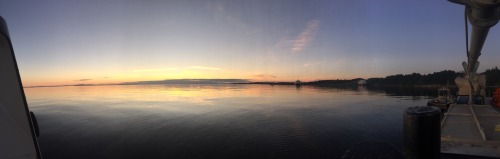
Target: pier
{"points": [[471, 130]]}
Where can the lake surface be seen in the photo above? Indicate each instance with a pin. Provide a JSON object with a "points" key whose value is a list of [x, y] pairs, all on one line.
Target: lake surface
{"points": [[220, 121]]}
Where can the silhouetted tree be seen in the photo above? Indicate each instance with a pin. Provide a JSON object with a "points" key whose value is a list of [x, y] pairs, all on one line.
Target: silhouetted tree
{"points": [[492, 76]]}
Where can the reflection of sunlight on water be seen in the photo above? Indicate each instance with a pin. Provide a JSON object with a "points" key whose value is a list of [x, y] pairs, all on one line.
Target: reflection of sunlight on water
{"points": [[196, 99], [248, 96], [196, 96], [194, 118], [161, 93], [191, 98]]}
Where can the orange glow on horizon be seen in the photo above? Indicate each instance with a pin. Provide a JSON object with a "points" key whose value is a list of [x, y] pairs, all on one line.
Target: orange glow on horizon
{"points": [[167, 73]]}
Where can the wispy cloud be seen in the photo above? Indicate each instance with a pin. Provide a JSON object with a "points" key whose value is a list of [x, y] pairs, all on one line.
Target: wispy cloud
{"points": [[203, 68], [319, 63], [177, 68], [264, 76], [305, 38], [219, 6], [189, 81], [81, 80], [226, 13], [156, 69]]}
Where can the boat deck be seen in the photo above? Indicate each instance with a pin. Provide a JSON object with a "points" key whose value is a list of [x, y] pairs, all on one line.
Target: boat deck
{"points": [[471, 130]]}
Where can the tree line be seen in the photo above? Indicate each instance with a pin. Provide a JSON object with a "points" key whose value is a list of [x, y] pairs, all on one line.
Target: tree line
{"points": [[433, 79]]}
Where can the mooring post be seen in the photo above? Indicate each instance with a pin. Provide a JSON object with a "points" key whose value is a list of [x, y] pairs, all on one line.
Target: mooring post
{"points": [[422, 132]]}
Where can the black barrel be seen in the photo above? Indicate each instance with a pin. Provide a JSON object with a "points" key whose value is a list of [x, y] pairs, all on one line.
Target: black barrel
{"points": [[422, 132]]}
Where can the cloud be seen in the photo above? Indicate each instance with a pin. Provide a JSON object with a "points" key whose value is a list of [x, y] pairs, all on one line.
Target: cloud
{"points": [[315, 64], [155, 69], [305, 38], [228, 15], [177, 69], [203, 68], [188, 81], [265, 76], [219, 7], [81, 80]]}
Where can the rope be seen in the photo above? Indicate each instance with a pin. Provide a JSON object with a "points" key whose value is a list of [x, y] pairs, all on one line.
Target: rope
{"points": [[468, 70], [466, 33]]}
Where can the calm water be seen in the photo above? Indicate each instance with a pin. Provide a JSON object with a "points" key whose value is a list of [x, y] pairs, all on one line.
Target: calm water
{"points": [[218, 121]]}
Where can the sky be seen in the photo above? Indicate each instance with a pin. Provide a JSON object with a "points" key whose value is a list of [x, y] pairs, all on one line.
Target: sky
{"points": [[90, 42]]}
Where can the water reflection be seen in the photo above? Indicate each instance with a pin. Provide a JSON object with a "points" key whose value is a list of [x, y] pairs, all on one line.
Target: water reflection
{"points": [[207, 121], [410, 91]]}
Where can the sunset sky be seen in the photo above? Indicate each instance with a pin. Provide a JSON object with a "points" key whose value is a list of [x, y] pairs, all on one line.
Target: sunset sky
{"points": [[92, 41]]}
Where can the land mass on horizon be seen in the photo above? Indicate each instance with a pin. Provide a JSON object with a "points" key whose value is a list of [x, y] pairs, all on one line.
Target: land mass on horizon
{"points": [[415, 79]]}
